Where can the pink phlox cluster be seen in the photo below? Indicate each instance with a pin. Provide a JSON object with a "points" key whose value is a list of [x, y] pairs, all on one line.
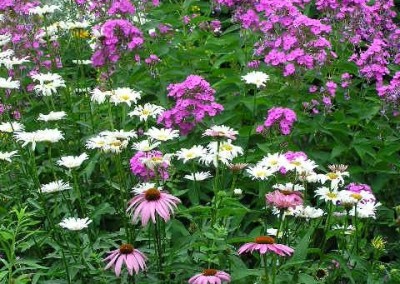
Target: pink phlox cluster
{"points": [[121, 7], [391, 92], [285, 117], [139, 169], [289, 39], [373, 62], [194, 101], [117, 35]]}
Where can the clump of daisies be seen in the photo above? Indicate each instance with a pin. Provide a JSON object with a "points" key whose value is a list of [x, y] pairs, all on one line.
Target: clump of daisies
{"points": [[116, 96], [47, 84], [111, 141], [45, 135]]}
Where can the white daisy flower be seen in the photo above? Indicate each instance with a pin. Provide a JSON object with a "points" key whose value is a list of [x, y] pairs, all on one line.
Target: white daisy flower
{"points": [[9, 63], [52, 116], [287, 187], [307, 212], [145, 111], [6, 54], [4, 39], [198, 176], [82, 62], [10, 127], [46, 9], [46, 135], [124, 95], [237, 191], [54, 186], [365, 210], [99, 96], [155, 161], [347, 231], [145, 145], [75, 224], [141, 187], [72, 161], [259, 172], [189, 154], [221, 131], [9, 84], [48, 83], [274, 162], [6, 156], [163, 134], [257, 78], [327, 194], [111, 141]]}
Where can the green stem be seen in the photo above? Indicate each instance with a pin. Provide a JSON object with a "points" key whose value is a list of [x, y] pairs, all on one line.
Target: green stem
{"points": [[266, 275]]}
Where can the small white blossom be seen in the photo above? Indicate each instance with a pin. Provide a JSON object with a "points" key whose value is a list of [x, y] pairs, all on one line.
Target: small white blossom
{"points": [[6, 156], [75, 224], [9, 84], [163, 134], [145, 111], [52, 116], [72, 161], [54, 186], [221, 131], [10, 127], [257, 78], [198, 176]]}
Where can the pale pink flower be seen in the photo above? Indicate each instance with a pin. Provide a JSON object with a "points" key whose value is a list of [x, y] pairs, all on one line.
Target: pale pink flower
{"points": [[264, 244], [211, 276], [133, 259], [152, 201], [284, 199]]}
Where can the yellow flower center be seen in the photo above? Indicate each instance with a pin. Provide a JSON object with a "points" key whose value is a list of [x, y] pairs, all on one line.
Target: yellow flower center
{"points": [[332, 175]]}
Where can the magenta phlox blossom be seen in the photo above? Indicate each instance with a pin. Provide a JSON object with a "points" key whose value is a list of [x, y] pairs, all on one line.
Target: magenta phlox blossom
{"points": [[143, 171], [121, 7], [194, 102], [264, 244], [117, 35], [285, 117]]}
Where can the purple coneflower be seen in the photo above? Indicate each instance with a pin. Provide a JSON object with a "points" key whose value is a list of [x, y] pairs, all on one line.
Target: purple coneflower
{"points": [[284, 199], [264, 244], [211, 276], [133, 259], [152, 201]]}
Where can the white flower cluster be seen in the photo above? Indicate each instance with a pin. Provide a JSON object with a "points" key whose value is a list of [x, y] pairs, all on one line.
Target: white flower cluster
{"points": [[111, 141], [117, 96], [45, 135], [48, 83], [8, 60]]}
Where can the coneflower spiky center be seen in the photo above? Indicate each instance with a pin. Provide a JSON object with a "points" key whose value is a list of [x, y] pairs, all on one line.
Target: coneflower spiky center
{"points": [[209, 272], [126, 248], [152, 194], [265, 240]]}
